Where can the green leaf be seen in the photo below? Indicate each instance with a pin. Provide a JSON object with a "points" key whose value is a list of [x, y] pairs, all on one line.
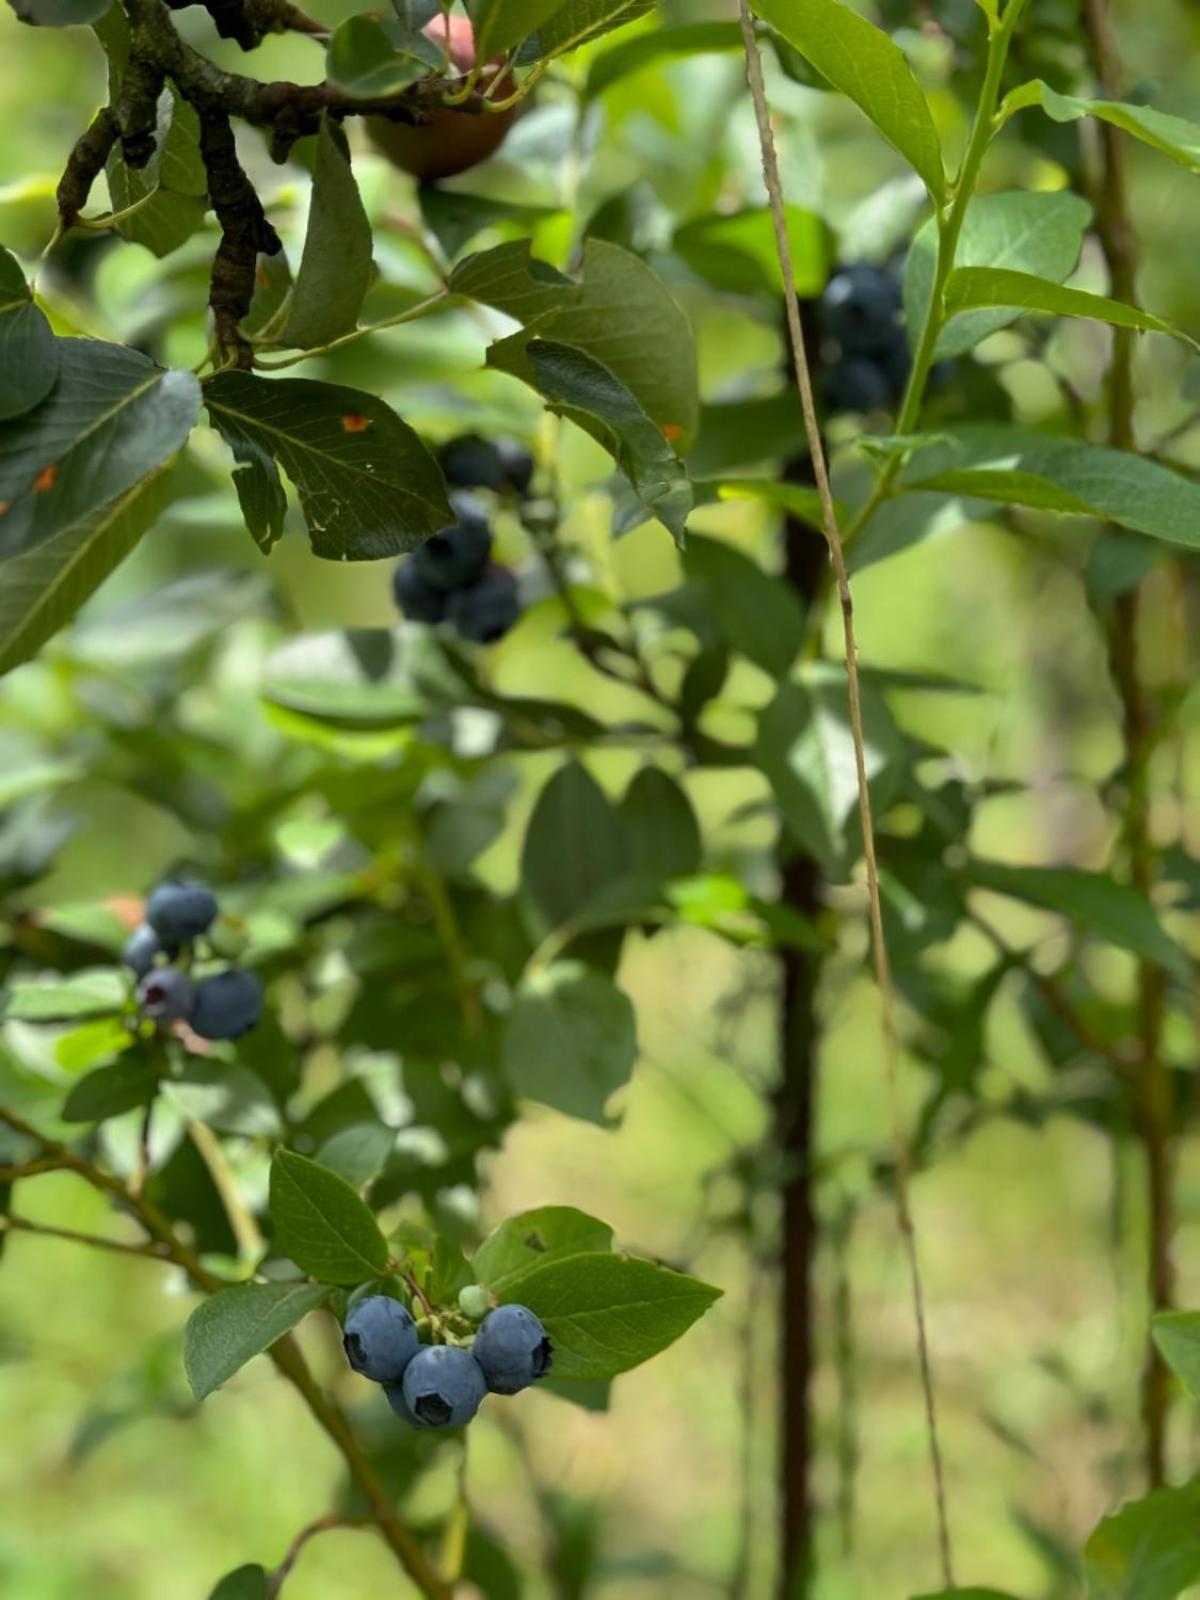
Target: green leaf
{"points": [[95, 993], [1095, 902], [1016, 467], [969, 288], [1149, 1550], [1171, 136], [377, 56], [228, 1329], [322, 1224], [335, 269], [455, 218], [1177, 1335], [581, 388], [368, 487], [574, 846], [1024, 231], [59, 13], [111, 1091], [862, 62], [361, 678], [570, 1040], [522, 1244], [660, 826], [44, 588], [648, 49], [500, 24], [93, 1044], [28, 349], [736, 251], [758, 612], [112, 420], [580, 21], [806, 750], [244, 1583], [608, 1313], [358, 1153], [620, 314], [965, 1594]]}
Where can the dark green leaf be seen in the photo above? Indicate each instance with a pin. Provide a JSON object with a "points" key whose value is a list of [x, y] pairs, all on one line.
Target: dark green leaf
{"points": [[661, 827], [736, 251], [570, 1040], [1150, 1550], [455, 217], [322, 1224], [244, 1583], [862, 62], [524, 1243], [500, 24], [112, 420], [111, 1091], [579, 21], [758, 612], [608, 1313], [228, 1329], [335, 269], [647, 49], [372, 56], [368, 487], [358, 1153], [574, 846], [1177, 1335], [28, 349], [1095, 902]]}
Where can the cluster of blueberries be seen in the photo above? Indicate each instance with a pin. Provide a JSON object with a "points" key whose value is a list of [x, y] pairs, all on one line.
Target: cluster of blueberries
{"points": [[451, 577], [443, 1385], [861, 318], [222, 1006]]}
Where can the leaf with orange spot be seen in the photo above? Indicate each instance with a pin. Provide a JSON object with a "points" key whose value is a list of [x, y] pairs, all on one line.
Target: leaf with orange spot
{"points": [[355, 422], [45, 479]]}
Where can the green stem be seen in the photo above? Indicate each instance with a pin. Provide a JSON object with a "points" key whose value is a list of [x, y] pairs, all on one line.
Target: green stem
{"points": [[421, 309]]}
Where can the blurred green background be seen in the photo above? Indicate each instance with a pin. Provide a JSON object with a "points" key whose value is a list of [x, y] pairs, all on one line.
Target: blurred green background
{"points": [[1029, 1236]]}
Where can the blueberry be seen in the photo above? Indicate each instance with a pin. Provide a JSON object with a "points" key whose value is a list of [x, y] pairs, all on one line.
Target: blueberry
{"points": [[470, 462], [860, 308], [181, 911], [513, 1349], [859, 384], [142, 946], [443, 1386], [395, 1398], [456, 555], [897, 362], [166, 994], [380, 1339], [416, 596], [227, 1005], [484, 611], [517, 464]]}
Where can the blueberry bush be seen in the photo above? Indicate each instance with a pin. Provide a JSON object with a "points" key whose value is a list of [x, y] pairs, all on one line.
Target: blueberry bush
{"points": [[566, 280]]}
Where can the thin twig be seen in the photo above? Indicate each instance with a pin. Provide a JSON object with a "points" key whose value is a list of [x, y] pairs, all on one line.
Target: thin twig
{"points": [[148, 1251], [322, 1525], [883, 976]]}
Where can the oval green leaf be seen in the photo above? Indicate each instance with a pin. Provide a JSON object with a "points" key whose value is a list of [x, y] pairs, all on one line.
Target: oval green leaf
{"points": [[322, 1224]]}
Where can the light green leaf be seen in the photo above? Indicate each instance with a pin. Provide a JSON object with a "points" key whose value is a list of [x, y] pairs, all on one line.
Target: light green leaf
{"points": [[500, 24], [570, 1040], [663, 44], [228, 1329], [95, 993], [28, 349], [368, 487], [579, 21], [970, 288], [1017, 467], [322, 1224], [1171, 136], [966, 1594], [358, 1153], [608, 1313], [1177, 1335], [361, 678], [111, 1091], [373, 56], [862, 62], [112, 420], [522, 1244], [736, 251], [1024, 231], [1150, 1550], [1095, 902], [59, 13], [335, 269], [44, 588], [93, 1043], [806, 749]]}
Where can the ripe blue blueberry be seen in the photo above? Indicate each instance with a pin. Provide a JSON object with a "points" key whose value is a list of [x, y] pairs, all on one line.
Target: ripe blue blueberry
{"points": [[226, 1005], [456, 555], [517, 464], [415, 595], [470, 462], [395, 1398], [380, 1338], [513, 1349], [181, 911], [141, 948], [443, 1386], [484, 611], [859, 384], [860, 308], [166, 995]]}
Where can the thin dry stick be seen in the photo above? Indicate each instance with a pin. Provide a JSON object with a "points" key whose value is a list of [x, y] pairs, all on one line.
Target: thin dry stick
{"points": [[883, 975]]}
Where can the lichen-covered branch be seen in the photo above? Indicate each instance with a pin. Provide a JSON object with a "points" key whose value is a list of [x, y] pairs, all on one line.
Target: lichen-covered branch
{"points": [[85, 164], [245, 233]]}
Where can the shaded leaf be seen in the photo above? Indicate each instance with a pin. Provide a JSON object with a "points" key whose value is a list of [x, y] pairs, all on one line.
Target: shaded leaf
{"points": [[335, 269], [579, 21], [231, 1327], [972, 287], [758, 612], [574, 845], [660, 827], [1150, 1550], [111, 1091], [1177, 1335], [570, 1040], [663, 44], [372, 55], [243, 1583], [28, 348]]}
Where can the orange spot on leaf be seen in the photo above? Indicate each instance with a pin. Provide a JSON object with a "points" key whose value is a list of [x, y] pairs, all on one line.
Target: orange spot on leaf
{"points": [[3, 507], [260, 277], [45, 479], [671, 431], [355, 423]]}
